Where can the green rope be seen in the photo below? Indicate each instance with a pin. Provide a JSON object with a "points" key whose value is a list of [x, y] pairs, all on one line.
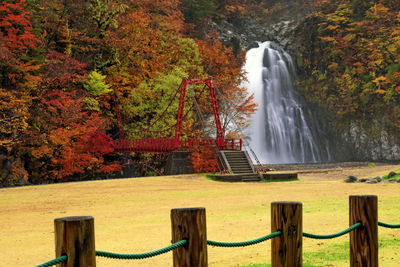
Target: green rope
{"points": [[141, 255], [388, 225], [181, 243], [348, 230], [244, 243], [58, 260]]}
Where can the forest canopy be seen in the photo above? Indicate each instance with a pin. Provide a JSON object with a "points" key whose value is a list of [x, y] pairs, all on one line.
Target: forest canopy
{"points": [[65, 64], [350, 62]]}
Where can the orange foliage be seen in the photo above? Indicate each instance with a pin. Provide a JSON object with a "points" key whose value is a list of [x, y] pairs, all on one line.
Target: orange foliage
{"points": [[204, 159], [74, 142], [144, 42], [235, 105]]}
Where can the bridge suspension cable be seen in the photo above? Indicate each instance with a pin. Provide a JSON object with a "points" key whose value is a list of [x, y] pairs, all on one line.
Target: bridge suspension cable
{"points": [[245, 142], [167, 144], [151, 125]]}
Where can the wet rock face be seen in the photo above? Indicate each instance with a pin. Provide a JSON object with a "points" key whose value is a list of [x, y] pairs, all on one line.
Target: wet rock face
{"points": [[244, 34], [380, 147]]}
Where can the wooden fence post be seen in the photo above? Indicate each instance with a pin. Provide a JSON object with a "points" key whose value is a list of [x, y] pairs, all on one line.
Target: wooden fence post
{"points": [[74, 237], [287, 248], [190, 224], [364, 239]]}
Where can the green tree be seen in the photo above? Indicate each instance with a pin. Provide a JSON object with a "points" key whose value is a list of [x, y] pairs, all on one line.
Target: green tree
{"points": [[195, 11]]}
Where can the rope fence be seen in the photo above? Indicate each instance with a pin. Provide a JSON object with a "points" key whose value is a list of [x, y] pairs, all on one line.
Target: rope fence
{"points": [[190, 244], [243, 243], [345, 231], [386, 225], [141, 255], [58, 260]]}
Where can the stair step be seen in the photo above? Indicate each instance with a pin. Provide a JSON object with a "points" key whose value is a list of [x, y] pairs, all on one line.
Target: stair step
{"points": [[238, 162], [241, 167], [250, 176], [251, 179]]}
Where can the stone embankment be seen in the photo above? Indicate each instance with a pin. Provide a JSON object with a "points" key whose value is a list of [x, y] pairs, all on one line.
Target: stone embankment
{"points": [[316, 166]]}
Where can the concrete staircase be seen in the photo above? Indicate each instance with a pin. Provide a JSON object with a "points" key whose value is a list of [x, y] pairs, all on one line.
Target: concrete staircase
{"points": [[236, 161], [239, 163]]}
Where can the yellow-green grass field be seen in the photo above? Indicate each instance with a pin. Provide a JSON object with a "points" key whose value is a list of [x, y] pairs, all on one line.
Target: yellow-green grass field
{"points": [[133, 216]]}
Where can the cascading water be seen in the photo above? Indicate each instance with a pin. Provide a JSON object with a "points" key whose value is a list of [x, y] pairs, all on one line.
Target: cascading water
{"points": [[279, 131]]}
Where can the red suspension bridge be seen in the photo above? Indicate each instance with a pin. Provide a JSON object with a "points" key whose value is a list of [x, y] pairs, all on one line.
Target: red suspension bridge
{"points": [[126, 144]]}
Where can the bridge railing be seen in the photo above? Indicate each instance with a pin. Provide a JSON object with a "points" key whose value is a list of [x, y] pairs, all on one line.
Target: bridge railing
{"points": [[75, 237], [166, 145]]}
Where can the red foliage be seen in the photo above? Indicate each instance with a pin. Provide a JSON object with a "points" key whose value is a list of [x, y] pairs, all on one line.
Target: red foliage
{"points": [[63, 71], [204, 159], [74, 142], [16, 26]]}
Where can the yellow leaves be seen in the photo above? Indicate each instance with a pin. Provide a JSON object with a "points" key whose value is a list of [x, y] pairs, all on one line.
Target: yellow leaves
{"points": [[333, 66], [42, 151], [235, 9], [341, 15], [378, 11], [380, 92], [380, 82], [379, 62], [349, 37], [331, 27], [327, 38], [379, 79], [13, 122]]}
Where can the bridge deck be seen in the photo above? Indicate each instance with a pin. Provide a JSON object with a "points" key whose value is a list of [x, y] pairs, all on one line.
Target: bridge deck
{"points": [[166, 145]]}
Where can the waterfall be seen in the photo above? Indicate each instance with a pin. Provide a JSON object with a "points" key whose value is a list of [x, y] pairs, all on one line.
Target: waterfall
{"points": [[283, 130]]}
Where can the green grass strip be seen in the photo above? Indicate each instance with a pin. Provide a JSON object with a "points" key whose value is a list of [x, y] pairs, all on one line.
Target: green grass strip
{"points": [[345, 231], [244, 243], [58, 260], [141, 255], [388, 225]]}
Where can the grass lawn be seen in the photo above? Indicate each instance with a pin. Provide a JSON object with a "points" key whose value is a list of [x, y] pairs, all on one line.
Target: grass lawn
{"points": [[132, 216]]}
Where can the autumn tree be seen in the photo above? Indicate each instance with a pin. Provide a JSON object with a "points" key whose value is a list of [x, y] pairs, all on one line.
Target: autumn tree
{"points": [[55, 89], [235, 105], [67, 136], [17, 78], [353, 62], [151, 59], [77, 28], [204, 159]]}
